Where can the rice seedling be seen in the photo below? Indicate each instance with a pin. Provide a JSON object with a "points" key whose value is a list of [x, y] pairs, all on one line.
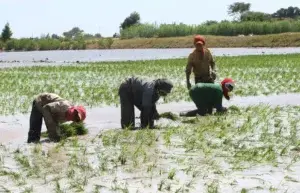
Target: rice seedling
{"points": [[98, 83], [171, 174], [70, 130], [213, 187], [4, 189]]}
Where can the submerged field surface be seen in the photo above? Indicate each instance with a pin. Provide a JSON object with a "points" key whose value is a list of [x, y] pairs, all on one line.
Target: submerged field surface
{"points": [[253, 149], [250, 149], [96, 84]]}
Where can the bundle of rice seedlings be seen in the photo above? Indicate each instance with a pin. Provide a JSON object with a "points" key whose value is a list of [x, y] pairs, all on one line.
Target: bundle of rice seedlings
{"points": [[69, 130]]}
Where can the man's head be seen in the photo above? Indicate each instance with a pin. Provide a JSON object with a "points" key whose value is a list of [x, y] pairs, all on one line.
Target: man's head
{"points": [[76, 113], [227, 86], [163, 87], [199, 42]]}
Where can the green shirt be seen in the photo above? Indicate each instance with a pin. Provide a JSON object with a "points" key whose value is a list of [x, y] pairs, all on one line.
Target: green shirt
{"points": [[207, 95]]}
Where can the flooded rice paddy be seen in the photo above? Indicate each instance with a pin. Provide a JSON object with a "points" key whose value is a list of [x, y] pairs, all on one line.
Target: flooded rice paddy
{"points": [[253, 148]]}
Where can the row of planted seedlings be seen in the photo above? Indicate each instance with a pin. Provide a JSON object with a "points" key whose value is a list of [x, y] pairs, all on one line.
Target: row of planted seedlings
{"points": [[201, 154], [98, 83]]}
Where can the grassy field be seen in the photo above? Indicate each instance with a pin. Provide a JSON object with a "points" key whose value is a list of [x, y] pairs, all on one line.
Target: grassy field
{"points": [[250, 149], [97, 83]]}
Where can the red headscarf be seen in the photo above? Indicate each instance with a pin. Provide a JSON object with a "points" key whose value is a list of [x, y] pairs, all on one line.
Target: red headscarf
{"points": [[198, 39], [224, 88], [71, 112]]}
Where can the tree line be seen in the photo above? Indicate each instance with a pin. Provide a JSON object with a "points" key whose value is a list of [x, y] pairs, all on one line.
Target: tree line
{"points": [[240, 11]]}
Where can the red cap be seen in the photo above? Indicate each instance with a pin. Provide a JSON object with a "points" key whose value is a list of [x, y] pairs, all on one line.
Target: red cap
{"points": [[81, 112], [225, 86], [198, 39]]}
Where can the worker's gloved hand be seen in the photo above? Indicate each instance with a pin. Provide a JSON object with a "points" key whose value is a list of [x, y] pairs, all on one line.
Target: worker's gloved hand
{"points": [[188, 84]]}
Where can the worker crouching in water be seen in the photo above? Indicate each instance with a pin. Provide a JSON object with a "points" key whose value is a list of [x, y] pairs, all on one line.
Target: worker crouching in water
{"points": [[54, 110], [207, 96], [144, 95]]}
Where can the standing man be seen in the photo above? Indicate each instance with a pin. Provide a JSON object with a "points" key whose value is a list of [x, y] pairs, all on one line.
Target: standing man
{"points": [[136, 92], [207, 96], [201, 62], [54, 110]]}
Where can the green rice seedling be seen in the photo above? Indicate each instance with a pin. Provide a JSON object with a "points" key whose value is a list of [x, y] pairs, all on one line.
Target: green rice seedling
{"points": [[244, 190], [272, 189], [79, 183], [57, 187], [171, 174], [213, 187], [69, 130], [4, 189], [23, 161], [160, 185], [28, 190], [16, 176], [97, 188]]}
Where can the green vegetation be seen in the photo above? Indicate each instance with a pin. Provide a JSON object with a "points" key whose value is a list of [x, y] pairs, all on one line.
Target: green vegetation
{"points": [[245, 22], [144, 35], [6, 33], [70, 130], [47, 43], [224, 29], [131, 20], [210, 154], [97, 83]]}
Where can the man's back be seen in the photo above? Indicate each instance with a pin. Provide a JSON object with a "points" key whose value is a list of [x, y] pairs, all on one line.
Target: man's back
{"points": [[143, 91], [207, 93]]}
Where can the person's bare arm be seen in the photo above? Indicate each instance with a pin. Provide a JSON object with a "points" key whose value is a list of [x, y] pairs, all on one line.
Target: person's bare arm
{"points": [[188, 71]]}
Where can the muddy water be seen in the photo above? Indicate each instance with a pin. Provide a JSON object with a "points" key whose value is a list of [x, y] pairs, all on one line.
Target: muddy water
{"points": [[59, 57], [14, 128]]}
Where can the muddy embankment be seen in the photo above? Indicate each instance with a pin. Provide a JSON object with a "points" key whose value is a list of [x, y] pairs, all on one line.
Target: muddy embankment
{"points": [[14, 128]]}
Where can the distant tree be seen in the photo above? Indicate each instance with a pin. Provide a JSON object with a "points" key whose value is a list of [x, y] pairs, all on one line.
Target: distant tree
{"points": [[210, 22], [98, 35], [6, 33], [290, 12], [225, 21], [116, 35], [238, 8], [88, 36], [55, 36], [255, 16], [73, 33], [132, 19]]}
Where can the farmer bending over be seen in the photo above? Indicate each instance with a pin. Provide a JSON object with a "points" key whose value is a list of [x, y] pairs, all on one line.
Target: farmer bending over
{"points": [[136, 92], [207, 96], [54, 110], [201, 62]]}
